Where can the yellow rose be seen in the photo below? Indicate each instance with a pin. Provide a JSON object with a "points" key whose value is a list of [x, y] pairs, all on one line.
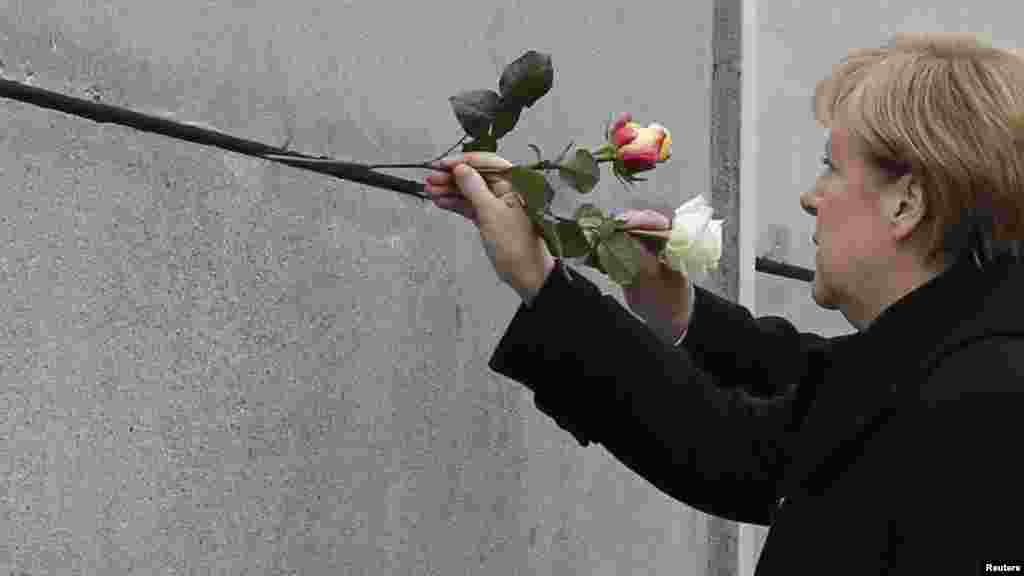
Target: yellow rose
{"points": [[638, 149]]}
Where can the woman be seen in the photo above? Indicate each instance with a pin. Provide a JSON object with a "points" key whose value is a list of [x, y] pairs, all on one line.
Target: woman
{"points": [[891, 449]]}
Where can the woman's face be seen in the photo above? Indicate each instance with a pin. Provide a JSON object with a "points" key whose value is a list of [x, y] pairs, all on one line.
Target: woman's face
{"points": [[849, 229]]}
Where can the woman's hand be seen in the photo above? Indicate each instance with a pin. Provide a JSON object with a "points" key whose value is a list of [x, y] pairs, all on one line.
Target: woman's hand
{"points": [[516, 251], [659, 295]]}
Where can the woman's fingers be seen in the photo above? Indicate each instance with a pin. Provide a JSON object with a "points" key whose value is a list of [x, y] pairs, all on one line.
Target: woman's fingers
{"points": [[478, 160], [454, 202], [484, 163], [439, 179], [445, 195], [445, 192], [645, 220]]}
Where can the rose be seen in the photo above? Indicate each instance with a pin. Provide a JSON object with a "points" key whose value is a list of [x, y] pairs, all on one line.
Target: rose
{"points": [[599, 240], [639, 148], [695, 242], [634, 148]]}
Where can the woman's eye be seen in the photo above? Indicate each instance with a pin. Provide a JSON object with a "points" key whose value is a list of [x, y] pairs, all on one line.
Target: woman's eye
{"points": [[828, 163]]}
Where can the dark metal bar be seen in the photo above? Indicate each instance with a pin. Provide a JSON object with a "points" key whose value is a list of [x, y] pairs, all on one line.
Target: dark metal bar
{"points": [[790, 271], [107, 114]]}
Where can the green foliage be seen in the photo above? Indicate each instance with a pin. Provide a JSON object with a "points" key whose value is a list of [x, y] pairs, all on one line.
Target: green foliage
{"points": [[607, 227], [620, 255], [549, 231], [527, 79], [532, 185], [485, 143], [488, 116], [476, 110], [574, 242], [505, 119], [581, 171], [589, 216], [594, 262], [613, 252]]}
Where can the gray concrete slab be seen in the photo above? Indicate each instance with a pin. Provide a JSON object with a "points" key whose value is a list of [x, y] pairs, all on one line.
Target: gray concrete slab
{"points": [[216, 365]]}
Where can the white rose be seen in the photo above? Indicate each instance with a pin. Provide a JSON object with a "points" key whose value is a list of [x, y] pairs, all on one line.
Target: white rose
{"points": [[695, 243]]}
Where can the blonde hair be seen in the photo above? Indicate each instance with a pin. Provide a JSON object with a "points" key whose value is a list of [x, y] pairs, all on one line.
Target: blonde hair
{"points": [[948, 109]]}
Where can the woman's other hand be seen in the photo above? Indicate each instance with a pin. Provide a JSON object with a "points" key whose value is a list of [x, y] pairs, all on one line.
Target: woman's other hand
{"points": [[659, 295]]}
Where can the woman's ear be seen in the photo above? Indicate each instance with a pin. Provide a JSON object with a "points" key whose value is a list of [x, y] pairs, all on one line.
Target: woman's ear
{"points": [[904, 205]]}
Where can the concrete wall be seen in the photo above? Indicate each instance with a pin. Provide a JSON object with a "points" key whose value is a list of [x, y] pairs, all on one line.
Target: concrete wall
{"points": [[211, 364], [797, 43]]}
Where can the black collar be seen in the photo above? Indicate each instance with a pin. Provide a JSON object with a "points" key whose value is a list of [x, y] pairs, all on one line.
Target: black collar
{"points": [[865, 376], [963, 302], [922, 318]]}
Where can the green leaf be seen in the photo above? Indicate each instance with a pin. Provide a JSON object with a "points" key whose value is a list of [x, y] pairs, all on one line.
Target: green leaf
{"points": [[574, 242], [475, 110], [620, 255], [549, 231], [607, 228], [527, 79], [589, 216], [536, 149], [505, 119], [594, 262], [581, 171], [531, 184], [485, 143]]}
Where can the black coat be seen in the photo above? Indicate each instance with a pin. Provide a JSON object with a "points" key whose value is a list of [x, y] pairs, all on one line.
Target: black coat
{"points": [[893, 450]]}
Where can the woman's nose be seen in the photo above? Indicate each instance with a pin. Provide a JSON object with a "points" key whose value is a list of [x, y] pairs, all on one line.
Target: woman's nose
{"points": [[807, 202]]}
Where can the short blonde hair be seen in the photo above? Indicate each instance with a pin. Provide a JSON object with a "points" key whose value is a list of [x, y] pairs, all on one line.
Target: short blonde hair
{"points": [[943, 107]]}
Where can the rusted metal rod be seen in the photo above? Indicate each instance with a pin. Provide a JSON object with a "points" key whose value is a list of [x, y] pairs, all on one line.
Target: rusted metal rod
{"points": [[354, 172], [107, 114]]}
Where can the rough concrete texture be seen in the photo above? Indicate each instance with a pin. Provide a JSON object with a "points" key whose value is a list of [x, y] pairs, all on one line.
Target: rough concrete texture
{"points": [[215, 365], [726, 83]]}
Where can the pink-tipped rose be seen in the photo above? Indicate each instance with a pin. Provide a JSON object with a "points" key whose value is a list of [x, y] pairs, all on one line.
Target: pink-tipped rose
{"points": [[638, 149]]}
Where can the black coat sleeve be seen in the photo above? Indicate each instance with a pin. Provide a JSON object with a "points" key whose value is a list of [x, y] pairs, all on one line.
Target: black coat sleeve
{"points": [[705, 423]]}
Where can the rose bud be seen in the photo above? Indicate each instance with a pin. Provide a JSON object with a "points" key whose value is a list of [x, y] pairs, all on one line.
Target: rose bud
{"points": [[638, 149]]}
